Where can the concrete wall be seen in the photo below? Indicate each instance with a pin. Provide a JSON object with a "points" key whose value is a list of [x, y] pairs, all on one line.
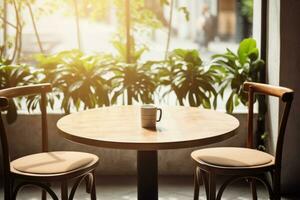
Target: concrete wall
{"points": [[24, 138]]}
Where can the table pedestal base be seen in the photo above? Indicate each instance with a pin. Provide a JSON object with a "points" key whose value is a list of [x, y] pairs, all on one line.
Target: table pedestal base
{"points": [[147, 175]]}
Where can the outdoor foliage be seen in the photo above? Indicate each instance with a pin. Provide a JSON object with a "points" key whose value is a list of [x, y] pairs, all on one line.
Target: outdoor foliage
{"points": [[136, 51], [144, 16], [185, 75], [87, 81], [235, 69], [247, 10], [12, 76], [134, 81], [79, 77]]}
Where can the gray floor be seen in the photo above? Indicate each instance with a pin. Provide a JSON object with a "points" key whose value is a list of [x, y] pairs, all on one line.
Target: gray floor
{"points": [[170, 188]]}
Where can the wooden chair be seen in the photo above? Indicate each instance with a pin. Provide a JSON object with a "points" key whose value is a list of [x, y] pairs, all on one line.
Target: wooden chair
{"points": [[244, 163], [44, 168]]}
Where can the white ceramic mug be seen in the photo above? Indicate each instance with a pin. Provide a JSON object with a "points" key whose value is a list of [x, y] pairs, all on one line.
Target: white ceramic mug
{"points": [[149, 116]]}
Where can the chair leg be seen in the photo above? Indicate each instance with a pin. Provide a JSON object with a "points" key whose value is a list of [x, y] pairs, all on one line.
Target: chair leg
{"points": [[276, 194], [204, 176], [212, 186], [44, 195], [276, 186], [276, 197], [64, 190], [253, 189], [7, 190], [93, 185], [88, 184], [196, 184]]}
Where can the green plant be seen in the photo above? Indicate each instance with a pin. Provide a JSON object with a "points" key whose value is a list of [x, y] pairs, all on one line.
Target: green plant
{"points": [[141, 17], [136, 51], [235, 69], [81, 78], [46, 72], [134, 81], [247, 10], [11, 76], [88, 9], [46, 66], [186, 76]]}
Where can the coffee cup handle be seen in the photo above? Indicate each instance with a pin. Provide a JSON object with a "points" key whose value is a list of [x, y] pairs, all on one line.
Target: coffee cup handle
{"points": [[160, 114]]}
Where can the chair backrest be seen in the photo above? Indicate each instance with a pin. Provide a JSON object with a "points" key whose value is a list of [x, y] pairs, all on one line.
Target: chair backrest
{"points": [[286, 96], [13, 92]]}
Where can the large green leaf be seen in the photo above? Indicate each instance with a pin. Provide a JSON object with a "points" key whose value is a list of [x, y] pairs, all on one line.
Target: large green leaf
{"points": [[247, 47]]}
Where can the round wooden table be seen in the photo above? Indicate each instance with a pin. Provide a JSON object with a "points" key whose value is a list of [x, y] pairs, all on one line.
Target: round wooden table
{"points": [[119, 127]]}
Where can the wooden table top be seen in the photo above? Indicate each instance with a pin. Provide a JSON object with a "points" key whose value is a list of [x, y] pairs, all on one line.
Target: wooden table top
{"points": [[120, 127]]}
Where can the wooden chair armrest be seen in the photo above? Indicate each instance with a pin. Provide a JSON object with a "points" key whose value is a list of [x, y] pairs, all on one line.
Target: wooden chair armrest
{"points": [[26, 90], [284, 93]]}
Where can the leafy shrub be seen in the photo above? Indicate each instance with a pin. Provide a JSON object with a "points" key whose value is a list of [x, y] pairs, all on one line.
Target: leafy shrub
{"points": [[134, 81], [12, 76], [81, 78], [186, 76], [88, 81], [236, 68]]}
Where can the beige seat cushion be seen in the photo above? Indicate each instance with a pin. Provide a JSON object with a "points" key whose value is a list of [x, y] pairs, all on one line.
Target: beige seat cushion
{"points": [[53, 162], [232, 157]]}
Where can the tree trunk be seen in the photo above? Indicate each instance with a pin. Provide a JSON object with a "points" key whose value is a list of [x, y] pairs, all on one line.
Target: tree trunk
{"points": [[35, 27], [77, 24], [129, 97], [17, 37], [20, 45], [156, 7], [3, 53], [169, 29], [128, 39], [20, 34]]}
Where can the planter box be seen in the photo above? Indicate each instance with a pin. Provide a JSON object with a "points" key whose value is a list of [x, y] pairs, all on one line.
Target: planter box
{"points": [[25, 138]]}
